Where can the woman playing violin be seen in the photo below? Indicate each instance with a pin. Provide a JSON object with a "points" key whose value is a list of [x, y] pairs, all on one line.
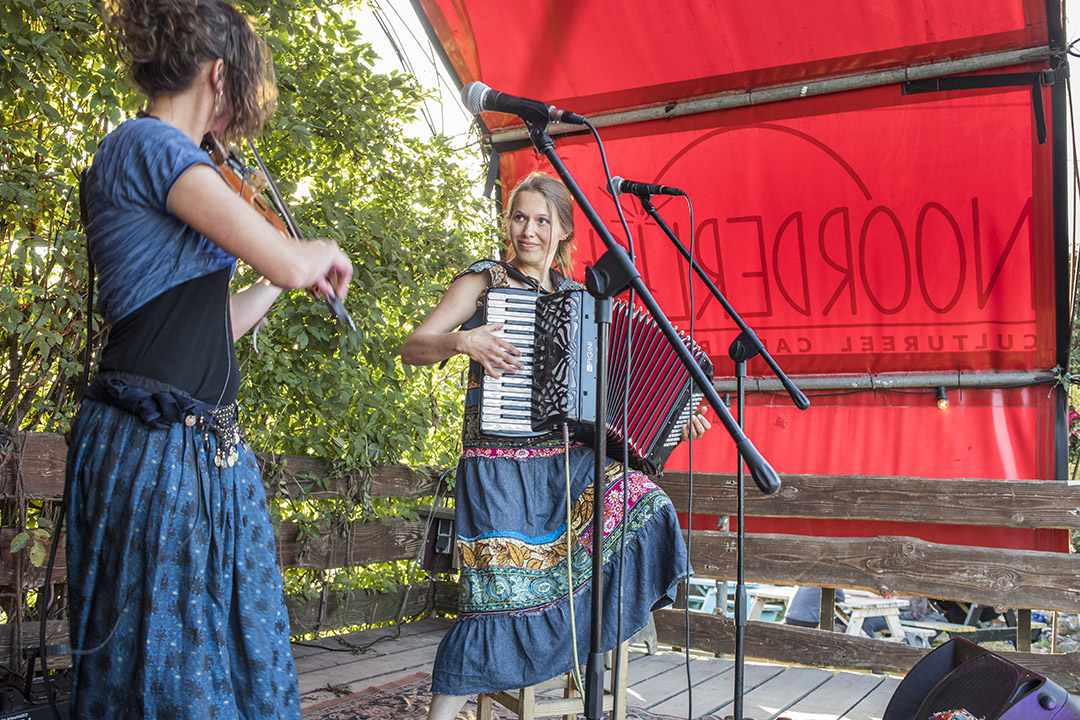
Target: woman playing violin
{"points": [[176, 604]]}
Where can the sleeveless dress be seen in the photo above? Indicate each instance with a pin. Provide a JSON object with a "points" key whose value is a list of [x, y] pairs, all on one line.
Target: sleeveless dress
{"points": [[175, 606], [513, 627]]}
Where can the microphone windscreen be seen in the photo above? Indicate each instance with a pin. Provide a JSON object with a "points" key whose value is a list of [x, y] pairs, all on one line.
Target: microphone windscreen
{"points": [[472, 96], [766, 478]]}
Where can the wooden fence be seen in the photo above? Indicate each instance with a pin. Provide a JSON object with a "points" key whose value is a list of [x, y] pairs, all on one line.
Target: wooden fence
{"points": [[32, 471], [1018, 579]]}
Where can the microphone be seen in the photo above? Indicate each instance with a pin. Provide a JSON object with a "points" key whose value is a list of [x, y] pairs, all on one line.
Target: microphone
{"points": [[618, 185], [478, 97]]}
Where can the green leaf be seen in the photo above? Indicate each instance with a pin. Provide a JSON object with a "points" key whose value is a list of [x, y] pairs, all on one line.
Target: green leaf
{"points": [[37, 555], [19, 542]]}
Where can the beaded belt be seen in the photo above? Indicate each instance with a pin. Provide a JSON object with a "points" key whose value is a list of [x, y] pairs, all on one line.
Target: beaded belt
{"points": [[159, 405]]}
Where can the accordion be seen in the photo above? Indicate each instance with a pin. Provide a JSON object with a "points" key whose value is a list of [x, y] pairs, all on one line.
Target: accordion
{"points": [[557, 336]]}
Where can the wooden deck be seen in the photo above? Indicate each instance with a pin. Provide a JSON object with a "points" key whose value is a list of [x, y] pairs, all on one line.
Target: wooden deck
{"points": [[657, 682]]}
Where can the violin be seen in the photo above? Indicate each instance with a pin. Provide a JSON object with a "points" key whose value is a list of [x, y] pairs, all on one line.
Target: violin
{"points": [[251, 185]]}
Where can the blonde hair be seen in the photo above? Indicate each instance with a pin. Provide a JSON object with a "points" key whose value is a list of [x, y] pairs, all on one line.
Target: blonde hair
{"points": [[559, 202]]}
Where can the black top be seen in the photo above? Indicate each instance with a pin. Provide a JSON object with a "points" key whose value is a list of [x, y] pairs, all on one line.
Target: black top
{"points": [[182, 337]]}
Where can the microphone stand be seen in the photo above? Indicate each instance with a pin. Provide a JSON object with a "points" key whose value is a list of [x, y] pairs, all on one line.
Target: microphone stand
{"points": [[610, 275], [740, 538], [744, 347]]}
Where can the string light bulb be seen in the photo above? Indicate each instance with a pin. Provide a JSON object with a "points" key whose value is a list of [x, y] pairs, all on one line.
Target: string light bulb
{"points": [[942, 398]]}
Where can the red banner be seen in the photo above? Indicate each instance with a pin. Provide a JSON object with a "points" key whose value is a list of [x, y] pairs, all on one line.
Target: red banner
{"points": [[893, 233], [869, 232]]}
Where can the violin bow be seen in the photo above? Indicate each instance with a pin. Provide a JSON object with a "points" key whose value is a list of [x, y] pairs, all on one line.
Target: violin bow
{"points": [[332, 301]]}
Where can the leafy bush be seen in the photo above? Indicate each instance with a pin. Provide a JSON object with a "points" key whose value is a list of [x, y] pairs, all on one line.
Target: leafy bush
{"points": [[404, 209]]}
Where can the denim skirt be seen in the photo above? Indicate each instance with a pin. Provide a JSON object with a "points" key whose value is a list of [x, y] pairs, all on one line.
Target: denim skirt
{"points": [[176, 605], [520, 577]]}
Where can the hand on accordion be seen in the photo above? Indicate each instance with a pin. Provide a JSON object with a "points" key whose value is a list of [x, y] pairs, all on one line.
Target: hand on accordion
{"points": [[698, 424], [483, 345]]}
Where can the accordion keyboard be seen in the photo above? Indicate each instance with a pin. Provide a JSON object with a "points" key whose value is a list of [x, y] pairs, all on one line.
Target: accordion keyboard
{"points": [[506, 401]]}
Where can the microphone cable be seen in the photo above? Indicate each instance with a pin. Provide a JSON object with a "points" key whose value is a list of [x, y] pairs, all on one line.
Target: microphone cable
{"points": [[624, 424], [598, 504], [690, 477], [575, 667]]}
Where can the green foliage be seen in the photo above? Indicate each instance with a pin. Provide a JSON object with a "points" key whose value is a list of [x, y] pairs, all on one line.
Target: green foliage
{"points": [[57, 94], [404, 209], [405, 212], [38, 540]]}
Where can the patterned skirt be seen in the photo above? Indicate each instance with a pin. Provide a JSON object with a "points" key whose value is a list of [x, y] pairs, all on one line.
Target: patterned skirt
{"points": [[175, 595], [513, 628]]}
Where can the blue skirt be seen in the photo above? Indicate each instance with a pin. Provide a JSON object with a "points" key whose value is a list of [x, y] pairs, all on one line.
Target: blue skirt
{"points": [[513, 628], [176, 604]]}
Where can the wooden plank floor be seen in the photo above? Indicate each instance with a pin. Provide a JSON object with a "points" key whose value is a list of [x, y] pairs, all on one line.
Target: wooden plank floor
{"points": [[657, 682]]}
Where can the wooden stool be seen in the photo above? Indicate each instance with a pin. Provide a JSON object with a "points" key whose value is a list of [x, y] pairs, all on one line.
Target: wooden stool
{"points": [[525, 706]]}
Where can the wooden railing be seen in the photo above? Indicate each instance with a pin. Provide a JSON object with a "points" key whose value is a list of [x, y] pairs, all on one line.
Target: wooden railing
{"points": [[1000, 578], [1018, 579], [34, 472]]}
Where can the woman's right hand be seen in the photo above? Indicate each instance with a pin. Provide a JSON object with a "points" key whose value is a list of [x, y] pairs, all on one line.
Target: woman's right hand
{"points": [[484, 345], [333, 267], [437, 337]]}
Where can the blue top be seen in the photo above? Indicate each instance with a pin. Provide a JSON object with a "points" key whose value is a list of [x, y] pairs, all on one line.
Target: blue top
{"points": [[139, 248]]}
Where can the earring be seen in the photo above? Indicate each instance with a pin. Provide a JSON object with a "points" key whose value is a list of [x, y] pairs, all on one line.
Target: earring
{"points": [[217, 104]]}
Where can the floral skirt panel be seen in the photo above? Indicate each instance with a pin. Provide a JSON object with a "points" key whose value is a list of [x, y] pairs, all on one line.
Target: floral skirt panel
{"points": [[176, 601], [513, 628]]}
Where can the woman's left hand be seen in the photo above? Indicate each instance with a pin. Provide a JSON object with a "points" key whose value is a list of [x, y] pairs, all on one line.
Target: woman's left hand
{"points": [[698, 425]]}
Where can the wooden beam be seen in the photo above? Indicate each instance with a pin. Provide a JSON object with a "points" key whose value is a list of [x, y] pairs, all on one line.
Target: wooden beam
{"points": [[378, 541], [1023, 629], [41, 458], [997, 503], [381, 540], [817, 648], [786, 643], [827, 609], [446, 597], [336, 611], [898, 565], [32, 576], [309, 476], [56, 633]]}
